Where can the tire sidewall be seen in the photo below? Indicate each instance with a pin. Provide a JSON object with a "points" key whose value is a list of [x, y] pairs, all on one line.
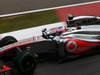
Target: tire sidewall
{"points": [[19, 60]]}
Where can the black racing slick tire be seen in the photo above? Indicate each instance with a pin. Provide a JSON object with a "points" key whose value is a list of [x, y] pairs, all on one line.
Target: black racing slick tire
{"points": [[26, 63], [7, 40]]}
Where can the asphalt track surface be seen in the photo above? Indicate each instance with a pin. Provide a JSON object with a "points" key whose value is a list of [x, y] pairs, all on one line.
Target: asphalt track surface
{"points": [[14, 6], [84, 66]]}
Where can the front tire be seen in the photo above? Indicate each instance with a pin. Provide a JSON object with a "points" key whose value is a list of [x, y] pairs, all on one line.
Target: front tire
{"points": [[7, 40], [26, 63]]}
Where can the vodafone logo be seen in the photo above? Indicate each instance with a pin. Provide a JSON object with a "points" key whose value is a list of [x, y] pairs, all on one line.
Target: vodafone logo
{"points": [[71, 46]]}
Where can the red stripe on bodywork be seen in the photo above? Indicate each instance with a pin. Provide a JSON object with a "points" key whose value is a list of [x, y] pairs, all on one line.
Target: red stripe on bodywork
{"points": [[82, 46], [14, 45]]}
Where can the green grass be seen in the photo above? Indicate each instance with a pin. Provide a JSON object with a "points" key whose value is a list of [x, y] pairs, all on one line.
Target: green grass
{"points": [[13, 23]]}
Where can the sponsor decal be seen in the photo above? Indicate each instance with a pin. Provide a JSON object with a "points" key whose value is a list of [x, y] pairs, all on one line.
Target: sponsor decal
{"points": [[56, 28], [71, 46]]}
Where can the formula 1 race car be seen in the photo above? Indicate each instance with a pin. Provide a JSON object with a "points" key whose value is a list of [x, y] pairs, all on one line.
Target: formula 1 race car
{"points": [[85, 40], [22, 57]]}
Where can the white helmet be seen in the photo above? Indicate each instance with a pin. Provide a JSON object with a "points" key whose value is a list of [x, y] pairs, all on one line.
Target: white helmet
{"points": [[70, 16]]}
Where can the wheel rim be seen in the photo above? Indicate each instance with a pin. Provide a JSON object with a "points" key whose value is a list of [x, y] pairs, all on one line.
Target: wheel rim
{"points": [[27, 64]]}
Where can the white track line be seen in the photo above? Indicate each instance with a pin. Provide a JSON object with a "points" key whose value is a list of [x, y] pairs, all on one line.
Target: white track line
{"points": [[33, 11]]}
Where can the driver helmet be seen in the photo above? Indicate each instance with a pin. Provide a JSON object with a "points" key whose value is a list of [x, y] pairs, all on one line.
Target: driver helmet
{"points": [[70, 16]]}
